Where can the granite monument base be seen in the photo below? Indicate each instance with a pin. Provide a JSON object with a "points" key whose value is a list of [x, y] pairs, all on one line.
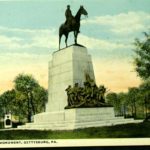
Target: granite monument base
{"points": [[67, 67], [70, 119]]}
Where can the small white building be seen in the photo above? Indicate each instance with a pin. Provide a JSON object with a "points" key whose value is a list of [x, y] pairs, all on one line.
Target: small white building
{"points": [[8, 120]]}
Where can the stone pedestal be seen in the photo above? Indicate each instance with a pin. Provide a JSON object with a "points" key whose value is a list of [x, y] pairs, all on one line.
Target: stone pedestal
{"points": [[70, 119], [67, 67]]}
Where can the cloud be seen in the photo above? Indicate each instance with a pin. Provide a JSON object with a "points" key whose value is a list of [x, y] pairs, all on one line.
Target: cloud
{"points": [[16, 57], [100, 44], [44, 40], [15, 38], [9, 42], [25, 30], [123, 23], [20, 59]]}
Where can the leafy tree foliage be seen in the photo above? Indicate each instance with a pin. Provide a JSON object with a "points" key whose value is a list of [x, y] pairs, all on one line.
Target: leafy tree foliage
{"points": [[7, 100], [26, 84], [26, 99], [40, 99], [132, 99], [142, 59], [123, 102], [112, 98], [145, 96], [31, 93], [136, 102], [142, 62]]}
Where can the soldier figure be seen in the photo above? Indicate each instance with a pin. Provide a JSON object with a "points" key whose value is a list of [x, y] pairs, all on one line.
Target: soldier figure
{"points": [[101, 94], [70, 95], [76, 91], [68, 15]]}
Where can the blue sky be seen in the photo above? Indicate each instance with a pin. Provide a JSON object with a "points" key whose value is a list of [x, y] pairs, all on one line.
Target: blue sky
{"points": [[29, 35]]}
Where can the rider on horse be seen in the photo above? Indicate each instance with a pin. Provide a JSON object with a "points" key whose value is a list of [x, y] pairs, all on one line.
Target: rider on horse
{"points": [[69, 16], [72, 24]]}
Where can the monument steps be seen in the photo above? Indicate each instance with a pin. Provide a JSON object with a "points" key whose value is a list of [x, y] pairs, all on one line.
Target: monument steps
{"points": [[84, 121], [69, 125]]}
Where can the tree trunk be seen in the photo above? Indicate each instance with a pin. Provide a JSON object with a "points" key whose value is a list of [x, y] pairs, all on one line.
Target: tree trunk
{"points": [[32, 105], [124, 108], [145, 104], [44, 107], [143, 110], [132, 110], [29, 116], [134, 105], [147, 116], [29, 110]]}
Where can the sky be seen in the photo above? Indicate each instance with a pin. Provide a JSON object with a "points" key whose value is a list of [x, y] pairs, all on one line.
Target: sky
{"points": [[29, 36]]}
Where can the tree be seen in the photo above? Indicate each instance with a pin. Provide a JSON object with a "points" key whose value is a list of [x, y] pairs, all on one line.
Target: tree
{"points": [[145, 94], [40, 99], [7, 100], [26, 85], [142, 62], [27, 99], [132, 98], [21, 105], [142, 59], [112, 99], [122, 98]]}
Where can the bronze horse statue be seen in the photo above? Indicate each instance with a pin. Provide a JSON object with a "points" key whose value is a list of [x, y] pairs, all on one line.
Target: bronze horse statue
{"points": [[73, 25]]}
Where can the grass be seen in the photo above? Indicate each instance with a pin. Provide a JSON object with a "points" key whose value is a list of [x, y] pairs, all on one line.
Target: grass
{"points": [[138, 130]]}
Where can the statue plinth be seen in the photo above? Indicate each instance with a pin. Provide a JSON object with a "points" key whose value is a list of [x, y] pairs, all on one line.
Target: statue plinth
{"points": [[67, 67]]}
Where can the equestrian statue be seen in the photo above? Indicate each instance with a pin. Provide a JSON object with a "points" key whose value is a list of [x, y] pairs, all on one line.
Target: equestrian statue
{"points": [[72, 23]]}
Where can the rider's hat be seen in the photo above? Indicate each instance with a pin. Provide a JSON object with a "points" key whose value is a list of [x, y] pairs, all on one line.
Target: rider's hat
{"points": [[68, 6]]}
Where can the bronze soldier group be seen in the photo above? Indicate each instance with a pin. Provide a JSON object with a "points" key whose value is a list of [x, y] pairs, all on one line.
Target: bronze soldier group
{"points": [[87, 96]]}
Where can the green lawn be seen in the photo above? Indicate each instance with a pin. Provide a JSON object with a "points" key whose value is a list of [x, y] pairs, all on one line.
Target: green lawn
{"points": [[119, 131]]}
